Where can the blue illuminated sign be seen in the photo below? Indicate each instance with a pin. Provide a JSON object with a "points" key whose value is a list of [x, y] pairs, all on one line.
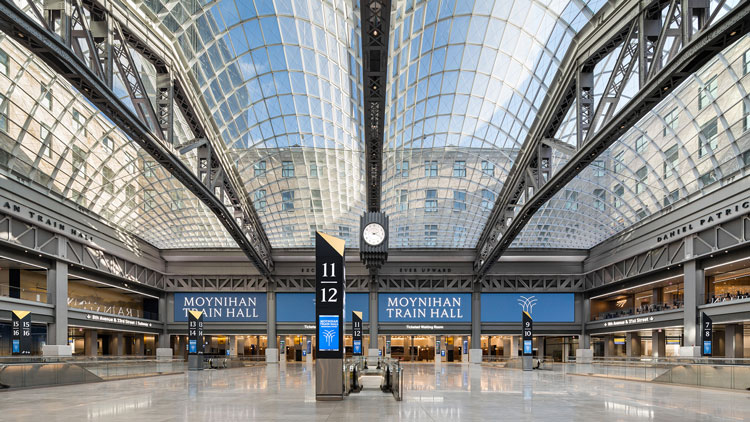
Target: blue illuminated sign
{"points": [[527, 347], [707, 347], [221, 307], [357, 347], [300, 307], [543, 307], [16, 346], [466, 346], [442, 352], [424, 307], [328, 333], [193, 347]]}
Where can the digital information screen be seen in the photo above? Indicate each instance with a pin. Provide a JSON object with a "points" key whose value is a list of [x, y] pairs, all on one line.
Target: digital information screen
{"points": [[527, 347], [328, 333]]}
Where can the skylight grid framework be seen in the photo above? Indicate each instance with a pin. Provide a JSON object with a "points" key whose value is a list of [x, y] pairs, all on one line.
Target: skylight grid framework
{"points": [[283, 82], [56, 40], [95, 166], [711, 27], [465, 82], [697, 151]]}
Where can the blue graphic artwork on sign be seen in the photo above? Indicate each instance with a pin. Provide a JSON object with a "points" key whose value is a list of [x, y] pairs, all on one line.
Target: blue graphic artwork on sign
{"points": [[222, 307], [300, 307], [16, 346], [193, 347], [357, 347], [424, 307], [527, 347], [707, 347], [442, 353], [328, 333], [466, 346], [543, 307]]}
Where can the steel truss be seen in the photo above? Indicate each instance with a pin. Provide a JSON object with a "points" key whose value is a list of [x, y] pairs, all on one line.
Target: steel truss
{"points": [[733, 234], [84, 41], [19, 235], [665, 52], [376, 17]]}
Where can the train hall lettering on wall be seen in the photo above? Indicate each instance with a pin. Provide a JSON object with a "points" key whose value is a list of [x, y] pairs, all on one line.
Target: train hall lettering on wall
{"points": [[424, 307], [221, 307], [43, 220]]}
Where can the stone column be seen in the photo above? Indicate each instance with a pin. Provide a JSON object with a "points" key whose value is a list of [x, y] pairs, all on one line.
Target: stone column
{"points": [[475, 349], [633, 345], [657, 295], [609, 345], [91, 342], [232, 345], [658, 343], [734, 341], [584, 353], [514, 346], [374, 345], [694, 288], [57, 295], [272, 351], [119, 348], [540, 347], [164, 335], [140, 345]]}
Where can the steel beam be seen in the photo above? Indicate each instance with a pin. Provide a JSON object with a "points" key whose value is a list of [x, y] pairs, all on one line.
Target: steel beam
{"points": [[57, 54], [497, 236], [376, 16]]}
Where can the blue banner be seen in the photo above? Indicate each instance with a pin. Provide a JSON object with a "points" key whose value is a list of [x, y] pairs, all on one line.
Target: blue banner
{"points": [[357, 347], [424, 307], [222, 307], [328, 333], [543, 307], [300, 307]]}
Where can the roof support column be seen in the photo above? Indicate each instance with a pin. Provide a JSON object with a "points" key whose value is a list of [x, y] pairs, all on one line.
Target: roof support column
{"points": [[372, 349], [57, 295]]}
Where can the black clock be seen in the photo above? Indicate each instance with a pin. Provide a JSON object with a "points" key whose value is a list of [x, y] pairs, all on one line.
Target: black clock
{"points": [[373, 245]]}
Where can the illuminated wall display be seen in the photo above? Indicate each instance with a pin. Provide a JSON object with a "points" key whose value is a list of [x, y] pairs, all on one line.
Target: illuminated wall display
{"points": [[222, 307], [542, 307], [424, 307], [300, 307]]}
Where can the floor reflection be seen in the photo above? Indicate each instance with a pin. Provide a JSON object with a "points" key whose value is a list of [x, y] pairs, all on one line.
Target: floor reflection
{"points": [[448, 392]]}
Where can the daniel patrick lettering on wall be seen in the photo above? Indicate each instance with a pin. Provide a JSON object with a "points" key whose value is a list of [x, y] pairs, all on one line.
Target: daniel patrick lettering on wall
{"points": [[219, 307], [424, 307], [728, 213]]}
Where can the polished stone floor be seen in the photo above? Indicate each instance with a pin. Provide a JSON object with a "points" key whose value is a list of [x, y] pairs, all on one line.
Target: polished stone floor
{"points": [[448, 392]]}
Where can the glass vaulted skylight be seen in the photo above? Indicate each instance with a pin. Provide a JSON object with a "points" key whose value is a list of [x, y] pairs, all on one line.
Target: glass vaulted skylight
{"points": [[466, 79], [282, 80]]}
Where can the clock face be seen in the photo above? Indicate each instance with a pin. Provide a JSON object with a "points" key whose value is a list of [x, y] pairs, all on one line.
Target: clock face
{"points": [[374, 234]]}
